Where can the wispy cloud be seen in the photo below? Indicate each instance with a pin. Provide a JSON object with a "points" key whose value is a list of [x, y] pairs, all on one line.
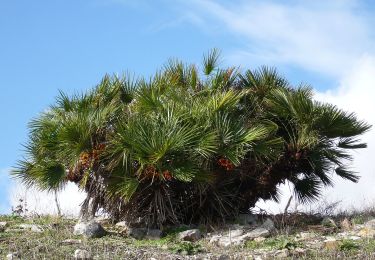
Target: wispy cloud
{"points": [[322, 36]]}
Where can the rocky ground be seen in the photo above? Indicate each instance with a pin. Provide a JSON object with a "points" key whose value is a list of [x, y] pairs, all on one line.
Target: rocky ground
{"points": [[295, 236]]}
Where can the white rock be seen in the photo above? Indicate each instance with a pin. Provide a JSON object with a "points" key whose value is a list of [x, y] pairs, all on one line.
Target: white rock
{"points": [[31, 227], [89, 229], [191, 235], [71, 241], [354, 238], [231, 240], [3, 224], [370, 224], [81, 254], [13, 256], [236, 232]]}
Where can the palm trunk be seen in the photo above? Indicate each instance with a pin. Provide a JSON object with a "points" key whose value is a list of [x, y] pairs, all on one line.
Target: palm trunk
{"points": [[57, 204]]}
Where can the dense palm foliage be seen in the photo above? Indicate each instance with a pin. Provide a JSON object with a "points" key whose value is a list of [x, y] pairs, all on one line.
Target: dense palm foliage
{"points": [[187, 146]]}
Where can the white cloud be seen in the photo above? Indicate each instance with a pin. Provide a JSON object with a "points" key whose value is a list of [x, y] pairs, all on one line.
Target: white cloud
{"points": [[355, 93], [43, 202], [322, 36]]}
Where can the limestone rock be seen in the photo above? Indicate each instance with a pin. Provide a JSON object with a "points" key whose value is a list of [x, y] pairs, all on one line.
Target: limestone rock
{"points": [[236, 237], [354, 238], [191, 235], [269, 225], [236, 232], [71, 241], [89, 229], [31, 227], [81, 254], [370, 224]]}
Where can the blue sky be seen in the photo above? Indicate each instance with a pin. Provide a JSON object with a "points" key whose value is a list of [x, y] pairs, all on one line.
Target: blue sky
{"points": [[69, 45]]}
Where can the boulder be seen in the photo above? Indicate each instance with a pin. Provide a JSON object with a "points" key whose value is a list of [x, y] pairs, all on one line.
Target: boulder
{"points": [[354, 238], [191, 235], [31, 227], [81, 254], [370, 224], [269, 225], [236, 232], [91, 229], [236, 237]]}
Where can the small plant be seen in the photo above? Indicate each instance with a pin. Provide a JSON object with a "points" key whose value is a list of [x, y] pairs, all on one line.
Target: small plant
{"points": [[281, 243], [251, 244], [358, 220], [186, 248], [20, 209], [348, 245]]}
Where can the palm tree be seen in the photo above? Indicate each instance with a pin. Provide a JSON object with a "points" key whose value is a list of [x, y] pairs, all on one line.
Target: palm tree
{"points": [[187, 146]]}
